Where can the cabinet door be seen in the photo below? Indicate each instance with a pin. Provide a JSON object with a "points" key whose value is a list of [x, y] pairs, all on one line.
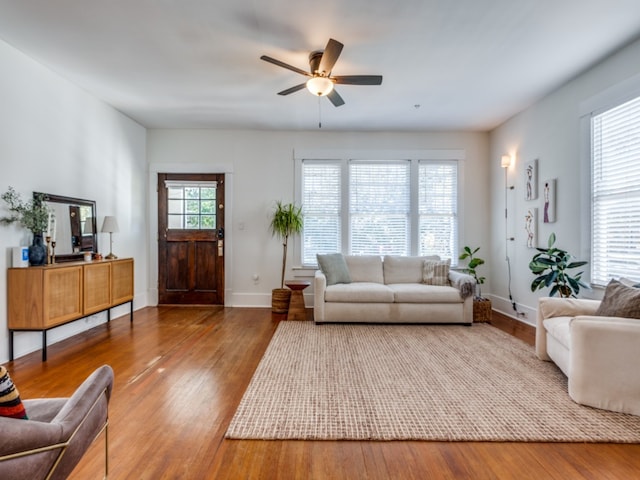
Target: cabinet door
{"points": [[121, 281], [97, 287], [62, 295]]}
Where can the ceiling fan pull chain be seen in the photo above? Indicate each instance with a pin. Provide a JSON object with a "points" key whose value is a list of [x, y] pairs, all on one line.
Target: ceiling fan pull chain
{"points": [[319, 113]]}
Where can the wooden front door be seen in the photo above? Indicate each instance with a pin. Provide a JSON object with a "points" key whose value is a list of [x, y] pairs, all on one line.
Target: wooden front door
{"points": [[191, 239]]}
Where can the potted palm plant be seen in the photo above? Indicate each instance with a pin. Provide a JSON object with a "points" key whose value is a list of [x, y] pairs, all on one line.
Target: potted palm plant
{"points": [[550, 265], [287, 220], [32, 215]]}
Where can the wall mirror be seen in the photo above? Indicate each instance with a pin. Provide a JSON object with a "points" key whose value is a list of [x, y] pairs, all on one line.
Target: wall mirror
{"points": [[74, 228]]}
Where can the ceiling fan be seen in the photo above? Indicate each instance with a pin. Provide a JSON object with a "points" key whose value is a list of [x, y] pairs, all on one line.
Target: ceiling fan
{"points": [[321, 82]]}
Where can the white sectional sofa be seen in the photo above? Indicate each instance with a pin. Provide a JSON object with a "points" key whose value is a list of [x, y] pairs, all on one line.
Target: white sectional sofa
{"points": [[392, 290]]}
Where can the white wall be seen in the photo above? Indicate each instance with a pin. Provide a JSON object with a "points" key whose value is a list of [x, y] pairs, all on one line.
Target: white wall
{"points": [[58, 139], [261, 166], [550, 132]]}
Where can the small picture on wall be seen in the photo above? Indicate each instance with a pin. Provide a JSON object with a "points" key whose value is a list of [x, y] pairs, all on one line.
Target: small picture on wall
{"points": [[549, 190], [531, 227], [531, 180]]}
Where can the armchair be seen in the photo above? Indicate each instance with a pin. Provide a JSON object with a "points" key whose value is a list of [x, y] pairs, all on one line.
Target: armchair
{"points": [[597, 354], [59, 431]]}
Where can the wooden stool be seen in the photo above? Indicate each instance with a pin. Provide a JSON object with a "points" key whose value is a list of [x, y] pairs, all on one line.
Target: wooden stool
{"points": [[296, 304]]}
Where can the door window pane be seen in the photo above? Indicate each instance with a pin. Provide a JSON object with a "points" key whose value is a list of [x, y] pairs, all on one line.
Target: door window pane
{"points": [[191, 206]]}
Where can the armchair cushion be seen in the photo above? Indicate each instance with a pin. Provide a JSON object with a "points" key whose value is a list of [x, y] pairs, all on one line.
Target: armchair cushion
{"points": [[620, 301], [10, 403]]}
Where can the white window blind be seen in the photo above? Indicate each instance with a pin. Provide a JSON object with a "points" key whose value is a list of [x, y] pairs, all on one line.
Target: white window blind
{"points": [[438, 208], [321, 203], [370, 207], [615, 152], [379, 208]]}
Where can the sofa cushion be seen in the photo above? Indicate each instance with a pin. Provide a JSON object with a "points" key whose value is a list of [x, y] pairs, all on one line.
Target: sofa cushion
{"points": [[558, 328], [436, 272], [365, 268], [359, 292], [421, 293], [399, 269], [334, 268], [620, 301]]}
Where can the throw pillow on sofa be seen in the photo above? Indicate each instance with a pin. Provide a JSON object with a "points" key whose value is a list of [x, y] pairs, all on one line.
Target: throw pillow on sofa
{"points": [[436, 272], [620, 301], [10, 403], [334, 268]]}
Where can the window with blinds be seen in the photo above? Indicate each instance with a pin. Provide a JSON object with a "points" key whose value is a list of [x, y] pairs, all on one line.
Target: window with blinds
{"points": [[615, 177], [438, 206], [322, 209], [379, 208], [368, 207]]}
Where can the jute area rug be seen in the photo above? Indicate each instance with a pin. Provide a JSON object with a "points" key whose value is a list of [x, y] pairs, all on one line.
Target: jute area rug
{"points": [[414, 382]]}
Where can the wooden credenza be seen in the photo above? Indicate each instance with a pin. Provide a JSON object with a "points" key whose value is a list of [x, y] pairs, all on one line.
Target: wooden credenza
{"points": [[42, 298]]}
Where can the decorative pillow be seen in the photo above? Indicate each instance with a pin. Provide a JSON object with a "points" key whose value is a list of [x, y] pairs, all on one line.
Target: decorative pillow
{"points": [[334, 268], [436, 272], [10, 403], [620, 301]]}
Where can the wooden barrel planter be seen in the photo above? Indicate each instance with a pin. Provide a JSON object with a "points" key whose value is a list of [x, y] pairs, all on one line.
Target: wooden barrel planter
{"points": [[280, 300]]}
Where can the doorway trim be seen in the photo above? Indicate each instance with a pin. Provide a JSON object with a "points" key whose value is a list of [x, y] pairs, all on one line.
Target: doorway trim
{"points": [[152, 217]]}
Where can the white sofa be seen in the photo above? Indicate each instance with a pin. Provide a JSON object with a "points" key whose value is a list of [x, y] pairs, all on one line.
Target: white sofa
{"points": [[391, 290], [598, 354]]}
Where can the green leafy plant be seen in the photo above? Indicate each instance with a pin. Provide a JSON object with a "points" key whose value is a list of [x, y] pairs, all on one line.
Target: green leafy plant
{"points": [[287, 220], [551, 265], [474, 262], [33, 214]]}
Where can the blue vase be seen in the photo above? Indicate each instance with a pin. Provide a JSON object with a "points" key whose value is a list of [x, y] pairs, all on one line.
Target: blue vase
{"points": [[37, 251]]}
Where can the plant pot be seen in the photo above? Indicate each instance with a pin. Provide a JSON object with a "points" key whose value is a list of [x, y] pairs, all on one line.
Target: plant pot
{"points": [[280, 300], [481, 309]]}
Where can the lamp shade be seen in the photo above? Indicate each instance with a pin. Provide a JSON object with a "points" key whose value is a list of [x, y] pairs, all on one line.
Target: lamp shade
{"points": [[505, 161], [320, 86], [110, 225]]}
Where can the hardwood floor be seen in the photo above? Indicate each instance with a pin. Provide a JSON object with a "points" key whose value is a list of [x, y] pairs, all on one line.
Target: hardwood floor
{"points": [[180, 374]]}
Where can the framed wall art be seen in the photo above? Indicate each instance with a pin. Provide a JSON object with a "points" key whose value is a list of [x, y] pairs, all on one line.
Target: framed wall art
{"points": [[549, 195], [531, 180], [531, 227]]}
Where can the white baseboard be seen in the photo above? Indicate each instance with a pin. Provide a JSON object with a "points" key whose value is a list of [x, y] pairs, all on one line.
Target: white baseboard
{"points": [[524, 313]]}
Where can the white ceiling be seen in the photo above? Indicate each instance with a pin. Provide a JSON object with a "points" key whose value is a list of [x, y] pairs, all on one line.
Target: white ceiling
{"points": [[467, 64]]}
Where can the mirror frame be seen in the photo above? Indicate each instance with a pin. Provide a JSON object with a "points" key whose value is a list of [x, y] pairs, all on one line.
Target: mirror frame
{"points": [[72, 257]]}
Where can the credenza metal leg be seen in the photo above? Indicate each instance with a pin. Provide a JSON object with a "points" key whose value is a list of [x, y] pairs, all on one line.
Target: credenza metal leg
{"points": [[44, 345]]}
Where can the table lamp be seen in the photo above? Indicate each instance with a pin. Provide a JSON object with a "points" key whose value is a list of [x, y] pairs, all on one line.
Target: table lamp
{"points": [[110, 226]]}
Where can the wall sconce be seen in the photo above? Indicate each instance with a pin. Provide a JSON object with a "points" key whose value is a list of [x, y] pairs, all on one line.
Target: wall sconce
{"points": [[110, 226]]}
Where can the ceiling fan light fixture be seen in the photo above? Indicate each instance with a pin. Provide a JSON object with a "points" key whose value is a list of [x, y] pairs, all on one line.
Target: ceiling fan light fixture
{"points": [[320, 86]]}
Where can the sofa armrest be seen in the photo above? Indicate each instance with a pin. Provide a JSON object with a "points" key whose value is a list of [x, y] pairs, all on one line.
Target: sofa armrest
{"points": [[465, 283], [319, 287], [550, 307], [603, 371]]}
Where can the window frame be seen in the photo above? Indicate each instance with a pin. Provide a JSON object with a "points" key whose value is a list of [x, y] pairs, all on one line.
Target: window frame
{"points": [[608, 99], [413, 156]]}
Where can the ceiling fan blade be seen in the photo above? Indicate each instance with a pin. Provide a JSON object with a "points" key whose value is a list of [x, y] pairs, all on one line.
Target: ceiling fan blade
{"points": [[284, 65], [358, 79], [292, 89], [330, 56], [335, 98]]}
